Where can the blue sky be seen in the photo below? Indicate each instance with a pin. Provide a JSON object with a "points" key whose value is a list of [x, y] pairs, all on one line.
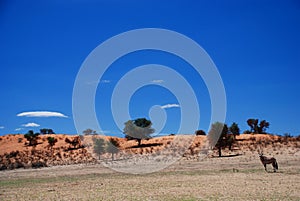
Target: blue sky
{"points": [[254, 44]]}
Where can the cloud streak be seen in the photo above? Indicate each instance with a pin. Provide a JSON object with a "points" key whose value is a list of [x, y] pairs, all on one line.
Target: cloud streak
{"points": [[41, 114], [2, 127], [169, 106], [157, 81], [30, 125]]}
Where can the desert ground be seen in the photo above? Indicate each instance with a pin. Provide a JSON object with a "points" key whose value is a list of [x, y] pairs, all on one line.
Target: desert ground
{"points": [[238, 175]]}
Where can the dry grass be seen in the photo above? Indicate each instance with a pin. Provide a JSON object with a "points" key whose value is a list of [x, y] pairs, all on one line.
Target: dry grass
{"points": [[237, 178]]}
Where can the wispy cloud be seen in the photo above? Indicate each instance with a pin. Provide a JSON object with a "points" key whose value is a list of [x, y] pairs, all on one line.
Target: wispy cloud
{"points": [[31, 125], [97, 82], [104, 131], [157, 81], [105, 81], [169, 106], [18, 129], [41, 114], [2, 127]]}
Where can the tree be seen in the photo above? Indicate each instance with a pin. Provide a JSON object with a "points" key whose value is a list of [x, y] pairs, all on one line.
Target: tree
{"points": [[253, 124], [138, 129], [200, 132], [99, 146], [51, 141], [258, 128], [263, 125], [218, 135], [32, 138], [112, 147], [89, 132], [46, 131], [234, 129]]}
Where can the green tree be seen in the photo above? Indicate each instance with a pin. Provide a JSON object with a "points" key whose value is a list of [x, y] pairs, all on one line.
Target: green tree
{"points": [[32, 138], [89, 132], [138, 129], [99, 146], [200, 132], [51, 141], [234, 129], [218, 135], [258, 128], [46, 131], [263, 125], [112, 147]]}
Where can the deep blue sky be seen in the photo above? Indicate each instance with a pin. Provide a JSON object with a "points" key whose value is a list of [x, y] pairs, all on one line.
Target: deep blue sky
{"points": [[254, 44]]}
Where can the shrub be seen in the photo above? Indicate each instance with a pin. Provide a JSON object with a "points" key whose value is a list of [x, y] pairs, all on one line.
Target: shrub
{"points": [[200, 132], [247, 132]]}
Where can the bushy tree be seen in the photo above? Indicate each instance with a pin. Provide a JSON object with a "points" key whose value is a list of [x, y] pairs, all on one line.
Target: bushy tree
{"points": [[200, 132], [32, 138], [234, 129], [219, 135], [46, 131], [138, 129], [89, 132], [51, 141], [256, 127], [99, 146], [112, 147]]}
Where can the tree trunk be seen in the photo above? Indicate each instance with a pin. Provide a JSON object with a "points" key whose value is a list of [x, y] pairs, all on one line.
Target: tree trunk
{"points": [[139, 142], [112, 156], [220, 151]]}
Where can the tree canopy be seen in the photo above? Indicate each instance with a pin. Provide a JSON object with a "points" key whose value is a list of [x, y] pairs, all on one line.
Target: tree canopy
{"points": [[32, 137], [99, 146], [89, 132], [234, 129], [258, 127], [46, 131], [219, 135], [138, 129]]}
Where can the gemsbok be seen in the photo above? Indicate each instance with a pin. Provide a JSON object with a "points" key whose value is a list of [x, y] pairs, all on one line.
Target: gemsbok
{"points": [[265, 160]]}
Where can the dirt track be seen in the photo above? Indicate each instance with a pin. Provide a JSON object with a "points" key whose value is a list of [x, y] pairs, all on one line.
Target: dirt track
{"points": [[229, 178]]}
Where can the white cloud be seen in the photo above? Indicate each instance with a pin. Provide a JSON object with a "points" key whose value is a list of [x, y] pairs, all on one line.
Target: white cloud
{"points": [[157, 81], [2, 127], [31, 125], [18, 129], [104, 132], [41, 114], [97, 82], [169, 106], [105, 81]]}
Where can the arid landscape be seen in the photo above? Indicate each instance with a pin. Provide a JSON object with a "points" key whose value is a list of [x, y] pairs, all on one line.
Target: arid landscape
{"points": [[78, 174]]}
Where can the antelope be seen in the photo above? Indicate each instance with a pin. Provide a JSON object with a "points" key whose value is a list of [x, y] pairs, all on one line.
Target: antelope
{"points": [[265, 160]]}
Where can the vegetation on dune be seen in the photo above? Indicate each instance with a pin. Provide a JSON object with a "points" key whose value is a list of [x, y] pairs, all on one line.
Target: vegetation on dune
{"points": [[102, 146], [99, 146], [75, 142], [257, 127], [32, 138], [234, 129], [138, 129], [112, 147], [200, 132], [89, 132], [51, 142], [46, 131], [220, 136]]}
